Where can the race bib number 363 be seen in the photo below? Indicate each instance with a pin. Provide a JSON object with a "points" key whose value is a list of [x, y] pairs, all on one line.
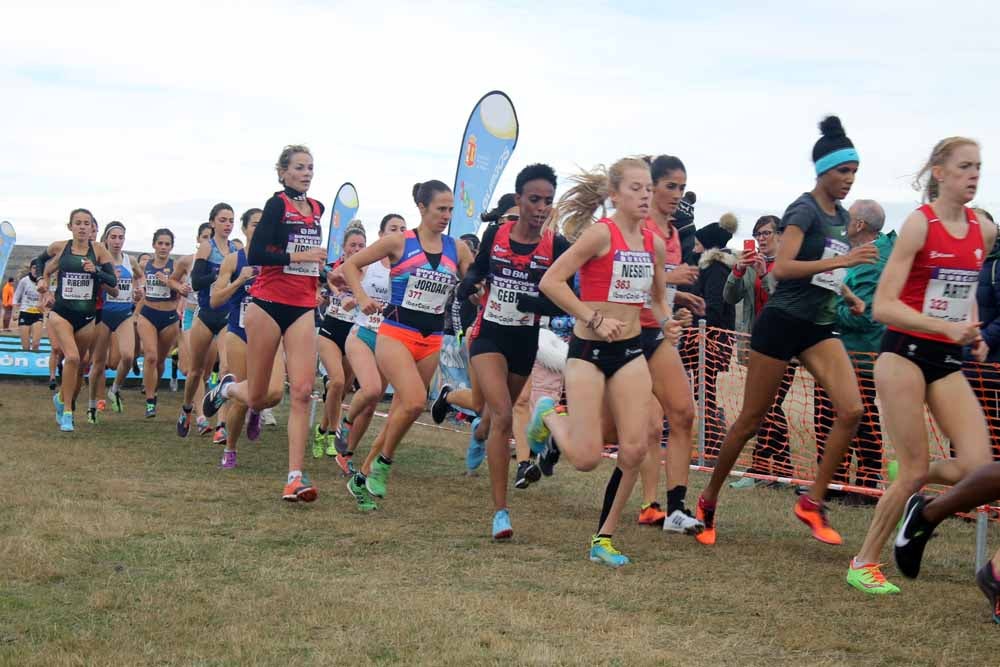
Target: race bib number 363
{"points": [[832, 280], [950, 294], [631, 277], [427, 291]]}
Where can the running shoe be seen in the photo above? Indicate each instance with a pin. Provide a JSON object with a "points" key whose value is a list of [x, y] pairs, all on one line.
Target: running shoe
{"points": [[602, 551], [213, 380], [346, 464], [116, 400], [681, 521], [650, 514], [319, 442], [743, 483], [184, 423], [912, 537], [357, 488], [706, 514], [150, 410], [548, 459], [228, 459], [501, 526], [439, 410], [331, 444], [869, 579], [214, 399], [814, 516], [60, 407], [378, 478], [66, 424], [173, 384], [990, 587], [476, 452], [268, 417], [204, 428], [91, 415], [221, 435], [300, 489], [340, 439], [253, 425], [52, 384], [538, 433], [527, 474]]}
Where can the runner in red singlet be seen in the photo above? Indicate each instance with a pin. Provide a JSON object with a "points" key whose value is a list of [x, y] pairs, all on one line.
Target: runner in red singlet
{"points": [[927, 297]]}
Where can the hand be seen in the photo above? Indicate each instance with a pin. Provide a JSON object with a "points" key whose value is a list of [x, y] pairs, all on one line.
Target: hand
{"points": [[42, 286], [184, 288], [477, 296], [88, 266], [693, 302], [138, 292], [672, 331], [980, 350], [963, 333], [746, 259], [684, 316], [685, 274], [609, 328], [855, 304], [246, 273], [46, 300], [349, 303], [336, 278], [862, 254], [760, 265], [368, 305], [315, 254]]}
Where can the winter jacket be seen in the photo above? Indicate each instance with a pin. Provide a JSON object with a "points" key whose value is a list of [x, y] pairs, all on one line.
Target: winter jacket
{"points": [[988, 299], [861, 333], [715, 266], [744, 289]]}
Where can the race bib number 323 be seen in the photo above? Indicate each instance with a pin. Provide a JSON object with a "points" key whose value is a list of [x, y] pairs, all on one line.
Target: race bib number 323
{"points": [[950, 293]]}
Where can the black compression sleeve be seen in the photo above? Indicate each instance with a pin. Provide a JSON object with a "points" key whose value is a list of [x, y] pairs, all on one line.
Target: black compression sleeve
{"points": [[201, 275], [480, 268], [106, 274], [268, 246]]}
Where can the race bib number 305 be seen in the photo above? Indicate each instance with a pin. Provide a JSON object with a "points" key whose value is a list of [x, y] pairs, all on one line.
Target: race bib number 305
{"points": [[77, 286], [631, 277], [427, 291], [832, 280], [501, 306], [950, 294]]}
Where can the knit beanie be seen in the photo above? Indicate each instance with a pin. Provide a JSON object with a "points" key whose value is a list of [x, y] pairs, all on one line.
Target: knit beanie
{"points": [[717, 234], [833, 148]]}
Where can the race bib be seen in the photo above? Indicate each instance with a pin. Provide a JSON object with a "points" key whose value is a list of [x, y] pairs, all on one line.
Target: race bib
{"points": [[124, 292], [671, 291], [155, 288], [950, 294], [832, 280], [336, 308], [77, 286], [301, 243], [427, 291], [501, 306], [243, 310], [631, 277], [373, 321]]}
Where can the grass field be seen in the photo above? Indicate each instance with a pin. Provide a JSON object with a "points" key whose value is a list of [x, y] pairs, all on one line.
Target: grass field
{"points": [[122, 545]]}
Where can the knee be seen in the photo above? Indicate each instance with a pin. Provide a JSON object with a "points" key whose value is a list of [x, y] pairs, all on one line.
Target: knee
{"points": [[335, 389], [683, 418], [588, 461], [851, 414], [272, 398], [410, 408], [631, 456], [71, 358], [300, 392], [126, 359], [503, 422]]}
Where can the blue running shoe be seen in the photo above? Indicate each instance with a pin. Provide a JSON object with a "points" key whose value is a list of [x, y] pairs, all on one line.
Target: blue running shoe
{"points": [[538, 433], [602, 551], [501, 526], [214, 399], [66, 424], [477, 449], [60, 407]]}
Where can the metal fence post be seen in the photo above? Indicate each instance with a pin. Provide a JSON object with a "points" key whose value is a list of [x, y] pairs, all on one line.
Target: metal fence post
{"points": [[982, 523], [701, 392]]}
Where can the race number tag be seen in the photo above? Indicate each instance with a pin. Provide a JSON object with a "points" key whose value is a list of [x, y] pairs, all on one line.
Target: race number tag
{"points": [[77, 286], [671, 291], [631, 277], [375, 319], [832, 280], [950, 294], [302, 242], [124, 292], [427, 291], [336, 308], [156, 288], [243, 310], [501, 306]]}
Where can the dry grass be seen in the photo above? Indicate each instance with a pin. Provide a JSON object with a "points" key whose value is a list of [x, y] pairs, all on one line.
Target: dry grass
{"points": [[120, 544]]}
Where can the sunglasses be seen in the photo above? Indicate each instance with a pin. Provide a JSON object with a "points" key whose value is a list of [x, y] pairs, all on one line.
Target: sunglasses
{"points": [[513, 217]]}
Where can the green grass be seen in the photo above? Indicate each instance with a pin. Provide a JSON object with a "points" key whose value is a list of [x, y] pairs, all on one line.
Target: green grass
{"points": [[122, 544]]}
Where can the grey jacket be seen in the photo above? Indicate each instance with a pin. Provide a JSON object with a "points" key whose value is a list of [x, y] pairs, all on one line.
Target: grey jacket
{"points": [[742, 290]]}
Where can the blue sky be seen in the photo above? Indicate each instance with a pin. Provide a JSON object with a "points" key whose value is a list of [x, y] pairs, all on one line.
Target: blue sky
{"points": [[150, 113]]}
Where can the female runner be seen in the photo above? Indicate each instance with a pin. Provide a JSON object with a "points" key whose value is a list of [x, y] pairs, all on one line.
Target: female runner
{"points": [[157, 322]]}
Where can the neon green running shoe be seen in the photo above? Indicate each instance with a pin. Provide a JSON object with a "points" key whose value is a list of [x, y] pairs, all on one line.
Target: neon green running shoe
{"points": [[319, 441], [378, 478], [869, 579], [356, 487], [331, 443]]}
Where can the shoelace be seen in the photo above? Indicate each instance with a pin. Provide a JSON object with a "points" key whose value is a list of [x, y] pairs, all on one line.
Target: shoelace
{"points": [[606, 544], [874, 571]]}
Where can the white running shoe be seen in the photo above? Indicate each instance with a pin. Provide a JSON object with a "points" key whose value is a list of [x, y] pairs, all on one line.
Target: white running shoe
{"points": [[681, 521], [268, 417]]}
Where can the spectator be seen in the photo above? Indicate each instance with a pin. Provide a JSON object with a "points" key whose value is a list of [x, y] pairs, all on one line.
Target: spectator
{"points": [[715, 262], [985, 378], [751, 283], [862, 336], [8, 302]]}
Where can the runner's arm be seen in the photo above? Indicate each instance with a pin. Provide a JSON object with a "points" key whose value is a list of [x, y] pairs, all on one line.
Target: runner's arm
{"points": [[268, 247]]}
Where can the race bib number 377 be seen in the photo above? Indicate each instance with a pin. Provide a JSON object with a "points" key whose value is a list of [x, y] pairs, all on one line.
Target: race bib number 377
{"points": [[427, 291]]}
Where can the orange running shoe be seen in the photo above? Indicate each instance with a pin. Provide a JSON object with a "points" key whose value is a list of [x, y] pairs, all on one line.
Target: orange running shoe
{"points": [[814, 516], [300, 489], [651, 515], [705, 514]]}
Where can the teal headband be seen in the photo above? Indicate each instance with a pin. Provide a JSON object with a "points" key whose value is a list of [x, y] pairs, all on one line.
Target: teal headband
{"points": [[838, 157]]}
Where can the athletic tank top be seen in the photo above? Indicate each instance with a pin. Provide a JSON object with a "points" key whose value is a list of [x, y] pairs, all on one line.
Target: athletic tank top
{"points": [[293, 284], [214, 260], [123, 302], [375, 283], [158, 291], [673, 260], [944, 275], [240, 299], [511, 274], [621, 275], [76, 289], [420, 287]]}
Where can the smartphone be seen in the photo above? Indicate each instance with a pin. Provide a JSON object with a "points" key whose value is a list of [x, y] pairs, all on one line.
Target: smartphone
{"points": [[749, 246]]}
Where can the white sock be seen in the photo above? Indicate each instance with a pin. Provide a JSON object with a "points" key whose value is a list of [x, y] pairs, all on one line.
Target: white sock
{"points": [[92, 404], [856, 564], [293, 474], [225, 390], [114, 387]]}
